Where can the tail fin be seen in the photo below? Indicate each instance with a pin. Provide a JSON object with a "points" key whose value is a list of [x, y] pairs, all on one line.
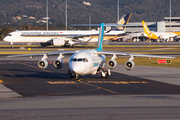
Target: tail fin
{"points": [[123, 21], [148, 32], [100, 38]]}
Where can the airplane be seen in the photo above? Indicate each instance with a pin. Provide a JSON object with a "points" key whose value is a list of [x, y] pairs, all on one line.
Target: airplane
{"points": [[85, 62], [65, 37], [162, 36]]}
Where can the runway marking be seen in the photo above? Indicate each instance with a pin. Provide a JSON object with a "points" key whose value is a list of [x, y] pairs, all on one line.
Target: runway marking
{"points": [[39, 68], [101, 88], [62, 82], [119, 82], [102, 82], [33, 66], [1, 81]]}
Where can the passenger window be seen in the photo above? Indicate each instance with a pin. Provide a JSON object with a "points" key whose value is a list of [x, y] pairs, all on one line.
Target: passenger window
{"points": [[9, 35]]}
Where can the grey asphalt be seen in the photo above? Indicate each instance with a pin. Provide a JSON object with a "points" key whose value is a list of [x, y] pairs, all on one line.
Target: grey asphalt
{"points": [[27, 98]]}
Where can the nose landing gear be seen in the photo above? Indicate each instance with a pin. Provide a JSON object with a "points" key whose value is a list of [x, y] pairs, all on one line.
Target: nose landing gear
{"points": [[73, 76]]}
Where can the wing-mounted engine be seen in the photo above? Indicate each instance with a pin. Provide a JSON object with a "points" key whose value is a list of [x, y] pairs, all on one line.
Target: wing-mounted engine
{"points": [[58, 64], [129, 65], [43, 62], [66, 42], [58, 42], [111, 64]]}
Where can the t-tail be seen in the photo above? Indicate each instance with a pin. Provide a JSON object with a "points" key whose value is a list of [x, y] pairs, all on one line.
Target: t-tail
{"points": [[148, 32], [123, 21], [100, 38]]}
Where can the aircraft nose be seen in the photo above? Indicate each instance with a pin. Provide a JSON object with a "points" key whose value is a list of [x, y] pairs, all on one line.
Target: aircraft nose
{"points": [[76, 68], [5, 39]]}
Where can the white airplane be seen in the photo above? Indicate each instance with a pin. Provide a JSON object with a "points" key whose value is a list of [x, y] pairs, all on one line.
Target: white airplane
{"points": [[162, 36], [64, 37], [84, 62]]}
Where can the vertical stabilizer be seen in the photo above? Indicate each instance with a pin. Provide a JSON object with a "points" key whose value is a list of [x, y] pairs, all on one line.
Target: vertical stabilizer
{"points": [[100, 38], [123, 21], [148, 32]]}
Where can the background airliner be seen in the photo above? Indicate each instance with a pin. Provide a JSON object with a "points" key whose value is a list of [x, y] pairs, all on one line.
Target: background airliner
{"points": [[84, 62], [162, 36], [65, 38]]}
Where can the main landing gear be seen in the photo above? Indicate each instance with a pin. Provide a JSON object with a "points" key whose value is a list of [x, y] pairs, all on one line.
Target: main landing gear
{"points": [[105, 72]]}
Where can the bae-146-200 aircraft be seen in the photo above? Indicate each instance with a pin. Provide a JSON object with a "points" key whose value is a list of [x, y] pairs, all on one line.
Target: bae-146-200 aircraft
{"points": [[166, 36], [64, 37], [84, 62]]}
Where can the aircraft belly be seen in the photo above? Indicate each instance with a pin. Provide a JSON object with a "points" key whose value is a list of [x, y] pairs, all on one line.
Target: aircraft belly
{"points": [[34, 39]]}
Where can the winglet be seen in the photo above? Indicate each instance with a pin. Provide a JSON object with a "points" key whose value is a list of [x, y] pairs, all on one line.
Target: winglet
{"points": [[100, 38]]}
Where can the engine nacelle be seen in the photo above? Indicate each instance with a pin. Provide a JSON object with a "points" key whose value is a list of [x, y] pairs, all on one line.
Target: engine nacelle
{"points": [[48, 43], [58, 42], [129, 65], [42, 64], [111, 64], [58, 64]]}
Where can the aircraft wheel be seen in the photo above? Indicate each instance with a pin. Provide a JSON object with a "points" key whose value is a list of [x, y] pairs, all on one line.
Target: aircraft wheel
{"points": [[76, 77], [101, 76], [107, 76], [71, 76]]}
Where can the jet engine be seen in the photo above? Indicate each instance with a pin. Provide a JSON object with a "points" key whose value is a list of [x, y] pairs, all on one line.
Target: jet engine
{"points": [[42, 64], [58, 64], [111, 64], [58, 42], [129, 65], [48, 43]]}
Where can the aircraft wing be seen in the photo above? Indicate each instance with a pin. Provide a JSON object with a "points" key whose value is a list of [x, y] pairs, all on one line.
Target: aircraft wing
{"points": [[131, 54], [50, 53]]}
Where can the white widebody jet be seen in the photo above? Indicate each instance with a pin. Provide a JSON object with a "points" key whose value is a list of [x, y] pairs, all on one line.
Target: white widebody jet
{"points": [[161, 36], [84, 62], [64, 37]]}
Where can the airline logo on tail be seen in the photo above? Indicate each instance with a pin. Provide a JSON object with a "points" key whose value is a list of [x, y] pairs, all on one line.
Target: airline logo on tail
{"points": [[123, 21], [148, 32]]}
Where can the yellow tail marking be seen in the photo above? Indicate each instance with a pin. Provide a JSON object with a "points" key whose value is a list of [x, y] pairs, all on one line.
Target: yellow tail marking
{"points": [[148, 32]]}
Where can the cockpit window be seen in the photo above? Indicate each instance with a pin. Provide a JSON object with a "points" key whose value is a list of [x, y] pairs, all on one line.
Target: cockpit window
{"points": [[9, 35], [74, 59], [85, 59], [80, 59]]}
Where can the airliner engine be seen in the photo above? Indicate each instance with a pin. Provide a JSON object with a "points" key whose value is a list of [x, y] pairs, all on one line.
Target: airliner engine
{"points": [[129, 65], [42, 64], [58, 42], [111, 64], [58, 63]]}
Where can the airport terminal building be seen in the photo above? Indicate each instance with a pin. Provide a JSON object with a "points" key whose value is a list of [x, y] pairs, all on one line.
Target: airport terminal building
{"points": [[162, 26]]}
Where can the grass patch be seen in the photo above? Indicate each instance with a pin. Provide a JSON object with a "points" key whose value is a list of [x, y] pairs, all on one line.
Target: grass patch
{"points": [[148, 62]]}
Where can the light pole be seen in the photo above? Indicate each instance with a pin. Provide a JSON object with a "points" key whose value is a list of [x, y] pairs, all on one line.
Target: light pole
{"points": [[47, 14], [170, 17], [66, 14], [89, 21], [117, 10]]}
